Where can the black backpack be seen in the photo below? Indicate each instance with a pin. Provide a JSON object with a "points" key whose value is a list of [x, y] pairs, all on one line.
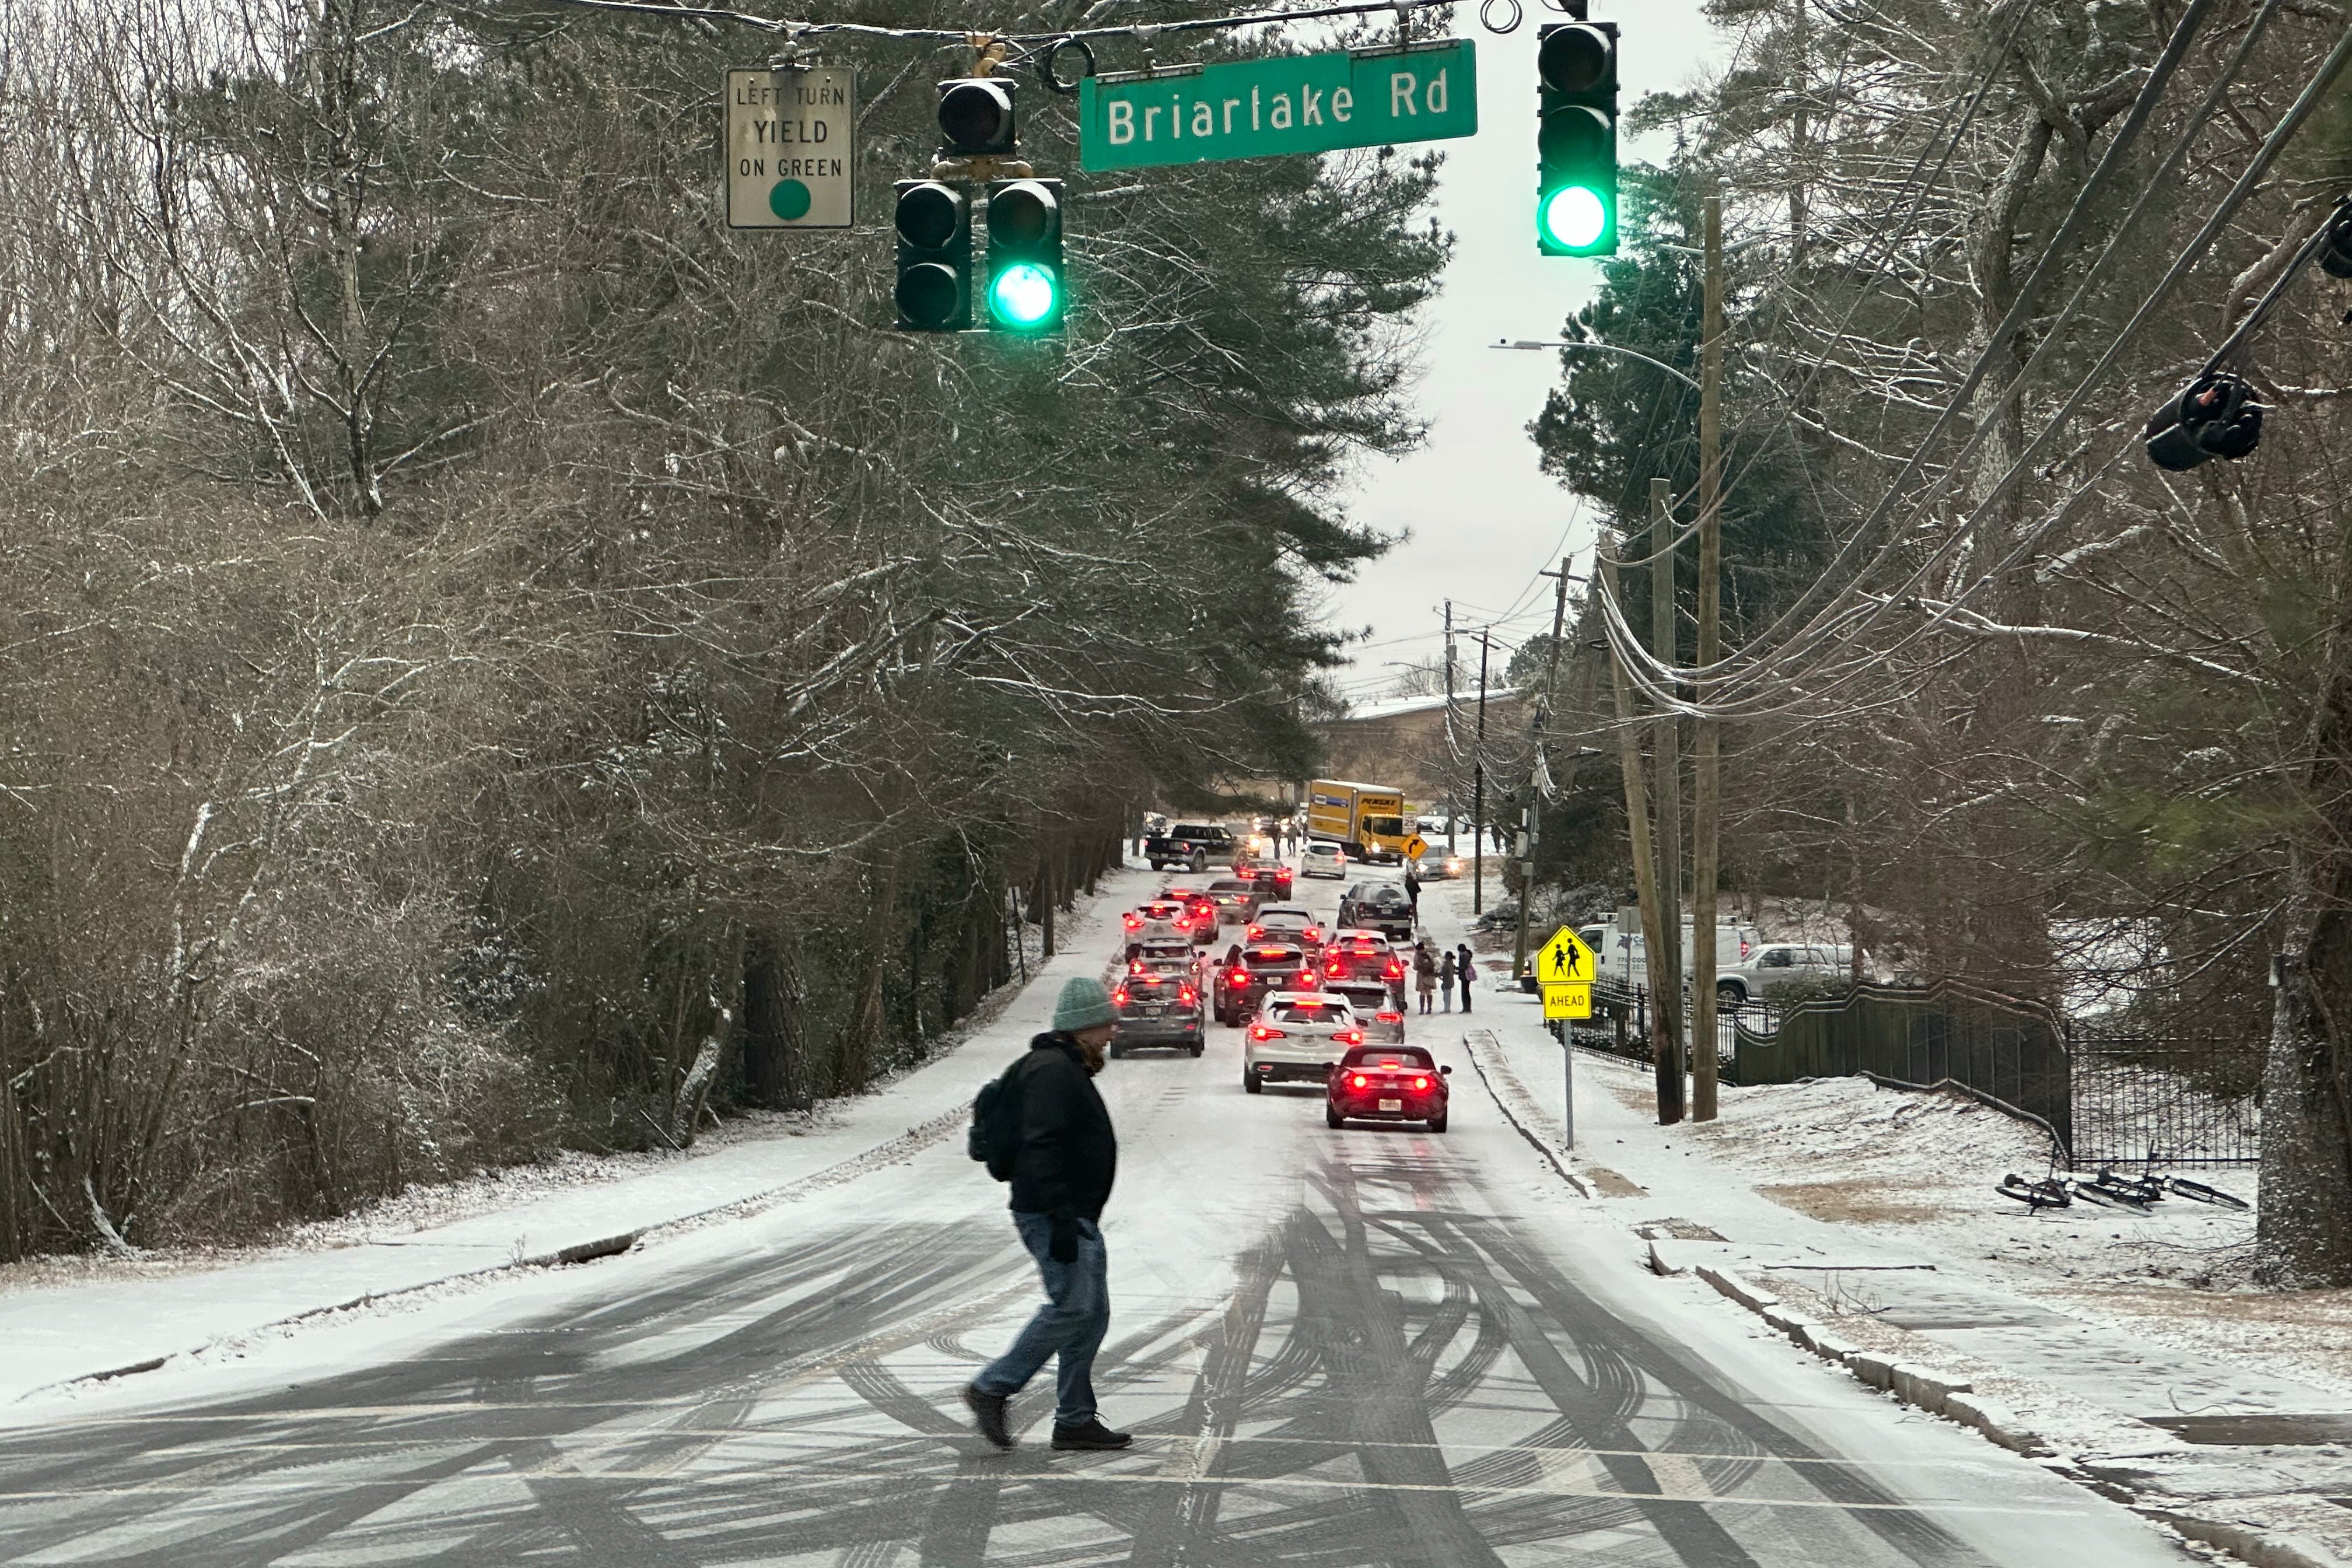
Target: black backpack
{"points": [[995, 1137]]}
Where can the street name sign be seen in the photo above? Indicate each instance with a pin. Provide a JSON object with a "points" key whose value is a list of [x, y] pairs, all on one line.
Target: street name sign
{"points": [[1567, 1001], [1288, 103], [1564, 961], [791, 156]]}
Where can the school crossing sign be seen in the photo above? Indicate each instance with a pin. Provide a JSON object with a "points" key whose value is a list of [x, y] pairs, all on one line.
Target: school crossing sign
{"points": [[1564, 970], [1290, 103]]}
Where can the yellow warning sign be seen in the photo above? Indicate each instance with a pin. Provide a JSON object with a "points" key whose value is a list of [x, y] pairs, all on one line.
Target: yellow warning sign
{"points": [[1415, 848], [1567, 1001], [1564, 961]]}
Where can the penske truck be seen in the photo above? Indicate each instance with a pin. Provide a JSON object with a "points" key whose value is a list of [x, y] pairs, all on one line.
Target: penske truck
{"points": [[1366, 820]]}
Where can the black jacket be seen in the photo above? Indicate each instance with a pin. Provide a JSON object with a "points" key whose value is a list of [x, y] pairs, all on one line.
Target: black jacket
{"points": [[1068, 1152]]}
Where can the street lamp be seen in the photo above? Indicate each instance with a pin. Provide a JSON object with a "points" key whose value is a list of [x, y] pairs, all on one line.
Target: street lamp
{"points": [[1598, 348]]}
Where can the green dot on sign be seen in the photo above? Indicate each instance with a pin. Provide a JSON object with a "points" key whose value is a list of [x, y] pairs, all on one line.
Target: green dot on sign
{"points": [[789, 200]]}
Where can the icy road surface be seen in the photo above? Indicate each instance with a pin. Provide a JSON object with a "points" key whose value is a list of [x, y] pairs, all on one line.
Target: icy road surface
{"points": [[1370, 1347]]}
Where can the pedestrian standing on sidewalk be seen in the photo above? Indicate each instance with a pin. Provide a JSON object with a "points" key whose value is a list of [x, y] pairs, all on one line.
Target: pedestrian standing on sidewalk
{"points": [[1069, 1155], [1412, 892], [1445, 981], [1462, 969], [1424, 974]]}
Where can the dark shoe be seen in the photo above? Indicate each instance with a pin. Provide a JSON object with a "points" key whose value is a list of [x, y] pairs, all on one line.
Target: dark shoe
{"points": [[1092, 1436], [988, 1413]]}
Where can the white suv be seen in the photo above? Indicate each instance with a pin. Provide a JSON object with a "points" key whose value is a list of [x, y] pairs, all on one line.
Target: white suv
{"points": [[1322, 859], [1298, 1037], [1777, 963]]}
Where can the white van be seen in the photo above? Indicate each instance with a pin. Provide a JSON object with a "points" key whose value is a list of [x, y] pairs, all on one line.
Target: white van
{"points": [[1621, 957]]}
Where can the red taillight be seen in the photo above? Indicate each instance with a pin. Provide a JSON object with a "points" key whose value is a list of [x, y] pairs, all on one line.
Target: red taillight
{"points": [[1186, 998], [1237, 977], [1119, 996], [1396, 971], [1335, 966], [1135, 967], [1360, 1081], [1743, 947], [1389, 1017], [1420, 1083], [1133, 921], [1254, 932], [1313, 933], [1260, 1032], [1307, 979], [1349, 1036]]}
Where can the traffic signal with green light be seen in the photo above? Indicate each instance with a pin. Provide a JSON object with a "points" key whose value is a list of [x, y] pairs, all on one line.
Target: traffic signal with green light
{"points": [[1576, 138], [1025, 292], [934, 223]]}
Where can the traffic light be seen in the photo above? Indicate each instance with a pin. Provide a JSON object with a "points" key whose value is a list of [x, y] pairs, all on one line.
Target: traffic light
{"points": [[2214, 417], [1025, 292], [934, 223], [1576, 138], [976, 116]]}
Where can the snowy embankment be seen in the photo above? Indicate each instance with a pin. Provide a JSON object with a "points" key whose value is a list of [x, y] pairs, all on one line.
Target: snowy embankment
{"points": [[75, 1323]]}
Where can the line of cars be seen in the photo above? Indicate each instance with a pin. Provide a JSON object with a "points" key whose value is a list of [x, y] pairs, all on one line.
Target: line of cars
{"points": [[1315, 1003]]}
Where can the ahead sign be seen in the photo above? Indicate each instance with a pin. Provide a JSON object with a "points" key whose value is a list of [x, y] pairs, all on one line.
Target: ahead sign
{"points": [[1289, 103], [789, 154]]}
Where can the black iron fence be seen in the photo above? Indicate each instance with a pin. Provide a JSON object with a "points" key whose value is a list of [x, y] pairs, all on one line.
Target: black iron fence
{"points": [[2012, 1053], [2166, 1100], [2105, 1097]]}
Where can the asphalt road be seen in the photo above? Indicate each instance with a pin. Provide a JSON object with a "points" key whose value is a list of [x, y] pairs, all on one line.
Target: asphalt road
{"points": [[1369, 1347]]}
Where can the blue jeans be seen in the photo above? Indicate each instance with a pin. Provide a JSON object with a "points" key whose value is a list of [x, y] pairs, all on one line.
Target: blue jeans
{"points": [[1073, 1320]]}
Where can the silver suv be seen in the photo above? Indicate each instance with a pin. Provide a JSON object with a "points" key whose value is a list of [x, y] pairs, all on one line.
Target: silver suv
{"points": [[1779, 963]]}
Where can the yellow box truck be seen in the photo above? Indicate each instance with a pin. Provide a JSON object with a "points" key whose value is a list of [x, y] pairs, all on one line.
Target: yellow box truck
{"points": [[1366, 820]]}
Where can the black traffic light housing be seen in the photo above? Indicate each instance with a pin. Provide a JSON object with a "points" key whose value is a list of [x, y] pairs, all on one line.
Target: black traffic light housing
{"points": [[2214, 417], [2335, 250], [1576, 138], [1026, 290], [977, 116], [934, 224]]}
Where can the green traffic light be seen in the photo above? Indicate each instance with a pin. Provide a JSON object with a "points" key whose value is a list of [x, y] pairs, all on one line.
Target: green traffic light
{"points": [[1023, 295], [1573, 217]]}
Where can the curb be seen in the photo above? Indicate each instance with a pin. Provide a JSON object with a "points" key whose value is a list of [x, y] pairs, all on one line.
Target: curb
{"points": [[1932, 1389], [2260, 1547], [1538, 1144]]}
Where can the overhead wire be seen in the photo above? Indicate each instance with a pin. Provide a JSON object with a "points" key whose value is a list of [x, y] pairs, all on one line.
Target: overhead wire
{"points": [[1839, 626]]}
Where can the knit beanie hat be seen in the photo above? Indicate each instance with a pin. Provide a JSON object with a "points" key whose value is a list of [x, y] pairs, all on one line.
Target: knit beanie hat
{"points": [[1083, 1004]]}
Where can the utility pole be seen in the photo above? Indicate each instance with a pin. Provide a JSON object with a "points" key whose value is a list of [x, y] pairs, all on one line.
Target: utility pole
{"points": [[1637, 827], [1526, 852], [1453, 806], [1666, 968], [1478, 785], [1706, 809]]}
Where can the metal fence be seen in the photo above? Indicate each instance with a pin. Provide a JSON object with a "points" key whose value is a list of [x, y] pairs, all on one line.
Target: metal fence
{"points": [[2107, 1097], [2165, 1100], [2011, 1053]]}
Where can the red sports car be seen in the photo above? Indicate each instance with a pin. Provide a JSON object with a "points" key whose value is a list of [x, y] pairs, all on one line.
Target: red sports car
{"points": [[1387, 1083]]}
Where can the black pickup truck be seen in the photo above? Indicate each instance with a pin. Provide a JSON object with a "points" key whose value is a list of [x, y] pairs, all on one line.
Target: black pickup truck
{"points": [[1191, 845]]}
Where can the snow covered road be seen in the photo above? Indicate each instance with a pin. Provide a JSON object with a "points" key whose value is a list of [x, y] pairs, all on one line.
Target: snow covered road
{"points": [[1364, 1347]]}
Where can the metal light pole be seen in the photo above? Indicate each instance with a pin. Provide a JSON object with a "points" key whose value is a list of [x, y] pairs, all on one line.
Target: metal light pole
{"points": [[1478, 787]]}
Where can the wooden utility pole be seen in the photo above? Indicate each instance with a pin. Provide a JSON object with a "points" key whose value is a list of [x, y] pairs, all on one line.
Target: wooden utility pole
{"points": [[1667, 964], [1527, 855], [1478, 786], [1706, 801], [1637, 827], [1453, 806]]}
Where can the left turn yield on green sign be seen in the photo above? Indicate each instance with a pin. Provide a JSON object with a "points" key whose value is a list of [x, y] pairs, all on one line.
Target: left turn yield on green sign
{"points": [[1283, 104], [790, 147]]}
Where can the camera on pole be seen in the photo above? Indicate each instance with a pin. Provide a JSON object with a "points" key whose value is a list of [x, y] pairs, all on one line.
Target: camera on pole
{"points": [[2213, 416]]}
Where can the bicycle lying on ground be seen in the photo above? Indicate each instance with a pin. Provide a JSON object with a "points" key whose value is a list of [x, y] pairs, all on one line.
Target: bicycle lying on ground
{"points": [[2111, 1189]]}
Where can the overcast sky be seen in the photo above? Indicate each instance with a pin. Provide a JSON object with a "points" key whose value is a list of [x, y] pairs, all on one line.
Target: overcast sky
{"points": [[1480, 519]]}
